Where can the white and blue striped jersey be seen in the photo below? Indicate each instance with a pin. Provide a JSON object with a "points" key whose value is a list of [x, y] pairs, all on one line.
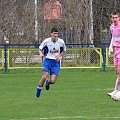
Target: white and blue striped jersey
{"points": [[52, 49]]}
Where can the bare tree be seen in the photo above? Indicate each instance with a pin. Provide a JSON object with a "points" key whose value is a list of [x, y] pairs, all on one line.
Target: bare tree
{"points": [[77, 24]]}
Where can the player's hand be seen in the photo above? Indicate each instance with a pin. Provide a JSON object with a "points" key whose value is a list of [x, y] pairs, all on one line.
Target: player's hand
{"points": [[110, 51], [109, 54], [58, 57], [41, 56]]}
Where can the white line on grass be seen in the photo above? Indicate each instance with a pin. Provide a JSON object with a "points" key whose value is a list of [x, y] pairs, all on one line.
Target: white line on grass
{"points": [[104, 89], [98, 89], [70, 117]]}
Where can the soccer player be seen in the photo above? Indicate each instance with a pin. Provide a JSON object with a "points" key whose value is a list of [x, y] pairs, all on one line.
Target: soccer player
{"points": [[115, 47], [54, 48]]}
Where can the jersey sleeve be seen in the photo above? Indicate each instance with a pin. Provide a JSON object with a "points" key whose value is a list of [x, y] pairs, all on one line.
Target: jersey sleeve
{"points": [[42, 45], [64, 47], [111, 42]]}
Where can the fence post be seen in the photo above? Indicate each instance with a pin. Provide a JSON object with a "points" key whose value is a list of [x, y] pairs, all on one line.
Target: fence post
{"points": [[5, 58], [104, 58]]}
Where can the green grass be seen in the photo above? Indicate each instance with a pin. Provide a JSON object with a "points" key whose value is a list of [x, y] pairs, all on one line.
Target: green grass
{"points": [[77, 95]]}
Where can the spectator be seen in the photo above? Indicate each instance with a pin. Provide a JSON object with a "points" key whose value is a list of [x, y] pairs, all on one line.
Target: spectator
{"points": [[3, 38]]}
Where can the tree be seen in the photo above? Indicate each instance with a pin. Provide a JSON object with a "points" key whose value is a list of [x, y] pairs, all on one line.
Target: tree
{"points": [[17, 20]]}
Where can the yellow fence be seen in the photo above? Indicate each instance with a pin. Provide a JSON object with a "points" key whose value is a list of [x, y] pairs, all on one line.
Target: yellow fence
{"points": [[73, 58], [109, 60], [82, 58], [2, 58]]}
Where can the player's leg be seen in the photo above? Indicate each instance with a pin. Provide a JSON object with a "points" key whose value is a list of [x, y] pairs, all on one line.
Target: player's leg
{"points": [[43, 78], [52, 80], [46, 69], [41, 83], [116, 69], [117, 85], [54, 71]]}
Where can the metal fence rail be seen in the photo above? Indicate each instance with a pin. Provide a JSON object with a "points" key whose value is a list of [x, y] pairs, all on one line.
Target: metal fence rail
{"points": [[13, 56]]}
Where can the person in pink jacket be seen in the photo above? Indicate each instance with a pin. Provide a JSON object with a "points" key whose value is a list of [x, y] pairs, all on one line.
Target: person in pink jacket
{"points": [[115, 48]]}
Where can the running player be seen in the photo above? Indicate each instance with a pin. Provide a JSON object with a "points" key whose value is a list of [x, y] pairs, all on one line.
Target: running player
{"points": [[55, 49], [115, 47]]}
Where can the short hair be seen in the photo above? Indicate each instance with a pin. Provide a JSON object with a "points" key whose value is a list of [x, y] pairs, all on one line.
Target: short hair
{"points": [[115, 13], [54, 30]]}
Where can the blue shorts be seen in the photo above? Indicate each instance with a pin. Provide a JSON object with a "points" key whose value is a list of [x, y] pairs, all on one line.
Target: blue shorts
{"points": [[51, 66]]}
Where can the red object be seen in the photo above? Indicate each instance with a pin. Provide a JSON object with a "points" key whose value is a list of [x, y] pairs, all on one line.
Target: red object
{"points": [[52, 10]]}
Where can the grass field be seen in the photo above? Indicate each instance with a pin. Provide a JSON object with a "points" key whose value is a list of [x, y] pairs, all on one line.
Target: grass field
{"points": [[77, 95]]}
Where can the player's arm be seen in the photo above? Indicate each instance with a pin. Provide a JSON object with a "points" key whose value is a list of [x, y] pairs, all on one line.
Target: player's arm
{"points": [[58, 57], [62, 51], [111, 46], [41, 51]]}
